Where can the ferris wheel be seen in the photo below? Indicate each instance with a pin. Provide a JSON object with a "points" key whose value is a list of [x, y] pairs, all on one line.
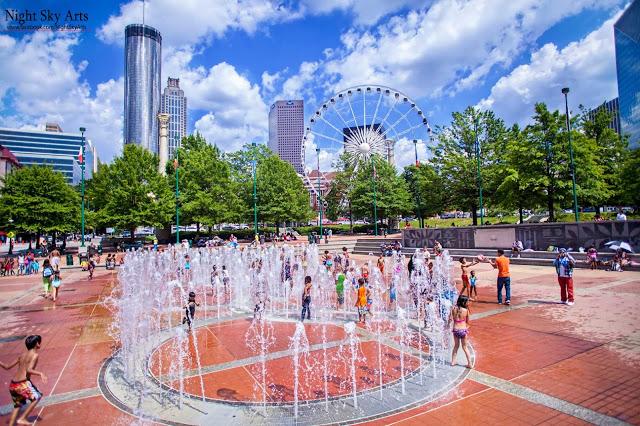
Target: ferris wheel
{"points": [[363, 121]]}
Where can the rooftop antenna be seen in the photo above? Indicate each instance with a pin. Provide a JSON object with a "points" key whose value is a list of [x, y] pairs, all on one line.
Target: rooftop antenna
{"points": [[142, 12]]}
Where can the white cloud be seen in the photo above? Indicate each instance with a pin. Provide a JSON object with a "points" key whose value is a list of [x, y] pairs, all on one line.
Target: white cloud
{"points": [[328, 159], [269, 80], [586, 66], [191, 22], [234, 111], [366, 12], [449, 47], [404, 152], [40, 84], [301, 84]]}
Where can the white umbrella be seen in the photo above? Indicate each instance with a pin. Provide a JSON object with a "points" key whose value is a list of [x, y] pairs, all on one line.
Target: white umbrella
{"points": [[623, 245], [614, 242]]}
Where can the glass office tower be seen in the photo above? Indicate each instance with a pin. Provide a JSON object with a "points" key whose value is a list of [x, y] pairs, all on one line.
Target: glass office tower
{"points": [[142, 57], [174, 103], [627, 38]]}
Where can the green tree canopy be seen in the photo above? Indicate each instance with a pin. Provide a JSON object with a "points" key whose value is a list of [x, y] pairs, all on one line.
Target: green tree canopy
{"points": [[455, 157], [39, 200], [130, 192], [427, 189], [281, 194], [207, 193], [391, 191]]}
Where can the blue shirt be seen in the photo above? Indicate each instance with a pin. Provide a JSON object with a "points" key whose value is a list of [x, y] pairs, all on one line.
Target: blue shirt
{"points": [[564, 267]]}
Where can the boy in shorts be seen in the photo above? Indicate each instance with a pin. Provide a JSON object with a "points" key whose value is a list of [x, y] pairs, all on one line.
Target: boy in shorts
{"points": [[21, 389]]}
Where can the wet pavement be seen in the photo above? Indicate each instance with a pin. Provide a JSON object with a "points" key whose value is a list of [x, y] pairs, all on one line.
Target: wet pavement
{"points": [[536, 361]]}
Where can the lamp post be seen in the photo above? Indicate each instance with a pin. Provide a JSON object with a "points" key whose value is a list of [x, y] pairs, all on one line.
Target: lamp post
{"points": [[176, 166], [318, 197], [415, 180], [375, 205], [10, 238], [479, 175], [255, 188], [565, 92], [82, 130]]}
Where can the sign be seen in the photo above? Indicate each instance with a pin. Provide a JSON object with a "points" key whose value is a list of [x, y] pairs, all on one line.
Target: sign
{"points": [[11, 234]]}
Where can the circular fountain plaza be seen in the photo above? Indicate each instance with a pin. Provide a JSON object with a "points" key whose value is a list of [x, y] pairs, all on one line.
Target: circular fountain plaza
{"points": [[237, 366]]}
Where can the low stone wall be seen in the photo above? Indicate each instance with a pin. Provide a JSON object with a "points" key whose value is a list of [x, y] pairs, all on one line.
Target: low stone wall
{"points": [[536, 236]]}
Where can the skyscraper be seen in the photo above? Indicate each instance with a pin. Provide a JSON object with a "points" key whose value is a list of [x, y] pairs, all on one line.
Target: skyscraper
{"points": [[174, 103], [612, 108], [627, 38], [52, 148], [142, 57], [286, 129]]}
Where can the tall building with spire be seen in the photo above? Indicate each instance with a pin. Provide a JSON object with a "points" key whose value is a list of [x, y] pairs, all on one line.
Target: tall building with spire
{"points": [[174, 103], [142, 61]]}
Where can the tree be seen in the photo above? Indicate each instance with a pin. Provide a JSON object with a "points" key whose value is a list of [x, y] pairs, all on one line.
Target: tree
{"points": [[130, 192], [610, 155], [426, 189], [241, 163], [521, 182], [281, 194], [39, 200], [630, 175], [392, 193], [338, 201], [207, 193], [455, 157]]}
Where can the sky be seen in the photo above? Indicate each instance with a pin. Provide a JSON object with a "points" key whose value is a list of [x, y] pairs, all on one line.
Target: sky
{"points": [[234, 58]]}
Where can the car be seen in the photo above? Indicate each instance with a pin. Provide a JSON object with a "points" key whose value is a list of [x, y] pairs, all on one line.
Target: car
{"points": [[132, 245]]}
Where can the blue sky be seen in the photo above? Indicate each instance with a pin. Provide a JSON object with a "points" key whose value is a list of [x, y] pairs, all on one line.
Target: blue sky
{"points": [[234, 58]]}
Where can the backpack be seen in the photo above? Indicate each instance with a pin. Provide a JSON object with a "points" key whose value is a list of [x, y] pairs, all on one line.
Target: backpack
{"points": [[47, 272]]}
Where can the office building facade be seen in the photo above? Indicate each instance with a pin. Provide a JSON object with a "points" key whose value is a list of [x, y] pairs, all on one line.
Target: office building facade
{"points": [[56, 149], [174, 103], [286, 129], [613, 109], [627, 39], [142, 62]]}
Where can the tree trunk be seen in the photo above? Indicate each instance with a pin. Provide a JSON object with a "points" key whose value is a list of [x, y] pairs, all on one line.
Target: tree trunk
{"points": [[520, 212], [474, 215], [198, 228], [38, 241], [550, 192], [350, 219], [133, 234]]}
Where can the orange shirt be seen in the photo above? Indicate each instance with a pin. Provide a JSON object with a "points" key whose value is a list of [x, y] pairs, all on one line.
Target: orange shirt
{"points": [[503, 266], [362, 297]]}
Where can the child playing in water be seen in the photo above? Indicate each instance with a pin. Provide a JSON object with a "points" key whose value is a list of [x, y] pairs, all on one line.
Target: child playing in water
{"points": [[464, 266], [460, 316], [340, 277], [47, 273], [190, 309], [56, 282], [21, 389], [306, 299], [472, 282], [361, 301]]}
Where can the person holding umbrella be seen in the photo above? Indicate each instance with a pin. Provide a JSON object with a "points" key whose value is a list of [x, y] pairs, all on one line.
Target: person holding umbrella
{"points": [[564, 264]]}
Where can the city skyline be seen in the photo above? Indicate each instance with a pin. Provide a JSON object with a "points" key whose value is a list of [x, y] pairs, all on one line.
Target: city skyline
{"points": [[232, 69]]}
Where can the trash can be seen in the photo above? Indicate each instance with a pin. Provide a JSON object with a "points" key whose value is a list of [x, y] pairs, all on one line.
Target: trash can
{"points": [[69, 260], [100, 249], [310, 237]]}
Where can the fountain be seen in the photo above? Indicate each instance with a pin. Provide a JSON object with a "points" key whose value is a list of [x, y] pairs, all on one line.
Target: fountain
{"points": [[162, 371]]}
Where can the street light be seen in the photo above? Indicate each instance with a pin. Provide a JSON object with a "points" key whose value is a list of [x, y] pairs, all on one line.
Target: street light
{"points": [[415, 182], [175, 166], [318, 198], [82, 130], [479, 175], [255, 188], [565, 92], [375, 205], [10, 238]]}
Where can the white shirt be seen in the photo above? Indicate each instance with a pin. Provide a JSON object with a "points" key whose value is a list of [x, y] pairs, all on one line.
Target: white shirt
{"points": [[621, 216]]}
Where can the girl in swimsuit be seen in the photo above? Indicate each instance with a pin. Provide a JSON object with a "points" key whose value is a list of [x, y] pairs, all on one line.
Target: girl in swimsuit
{"points": [[464, 266], [460, 316]]}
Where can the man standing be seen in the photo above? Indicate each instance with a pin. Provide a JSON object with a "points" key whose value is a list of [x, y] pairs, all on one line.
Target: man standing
{"points": [[564, 264], [501, 263]]}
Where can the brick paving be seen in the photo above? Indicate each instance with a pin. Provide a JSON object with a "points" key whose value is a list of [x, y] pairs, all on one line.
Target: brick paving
{"points": [[586, 356]]}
